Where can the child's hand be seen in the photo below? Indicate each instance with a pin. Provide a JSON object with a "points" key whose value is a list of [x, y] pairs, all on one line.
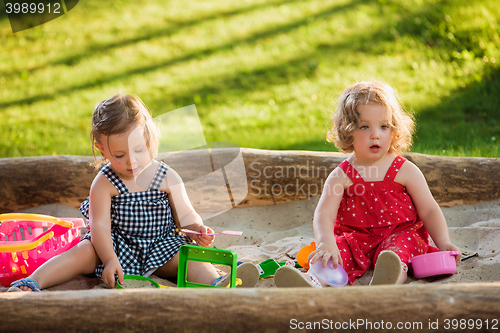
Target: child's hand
{"points": [[203, 239], [326, 252], [450, 247], [112, 268]]}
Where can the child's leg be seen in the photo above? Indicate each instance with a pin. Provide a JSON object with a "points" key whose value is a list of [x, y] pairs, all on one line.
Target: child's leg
{"points": [[199, 272], [402, 277], [402, 245], [81, 259]]}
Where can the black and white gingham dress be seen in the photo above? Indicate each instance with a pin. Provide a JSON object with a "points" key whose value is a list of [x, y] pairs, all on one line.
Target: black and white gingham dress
{"points": [[142, 226]]}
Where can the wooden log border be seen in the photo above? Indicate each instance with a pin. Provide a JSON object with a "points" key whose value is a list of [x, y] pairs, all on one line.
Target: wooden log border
{"points": [[419, 308], [273, 177]]}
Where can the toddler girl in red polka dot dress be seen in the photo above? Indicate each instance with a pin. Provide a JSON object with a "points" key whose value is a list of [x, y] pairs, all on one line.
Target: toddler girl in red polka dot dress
{"points": [[376, 208]]}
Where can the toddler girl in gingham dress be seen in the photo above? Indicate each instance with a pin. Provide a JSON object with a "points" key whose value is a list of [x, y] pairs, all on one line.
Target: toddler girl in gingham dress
{"points": [[376, 208], [142, 226], [134, 206]]}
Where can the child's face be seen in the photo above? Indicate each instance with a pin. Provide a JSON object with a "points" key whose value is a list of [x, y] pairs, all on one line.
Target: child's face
{"points": [[127, 152], [373, 137]]}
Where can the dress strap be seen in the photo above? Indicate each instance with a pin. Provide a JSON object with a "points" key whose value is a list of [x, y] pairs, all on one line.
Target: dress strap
{"points": [[394, 168], [351, 172], [159, 176], [114, 179]]}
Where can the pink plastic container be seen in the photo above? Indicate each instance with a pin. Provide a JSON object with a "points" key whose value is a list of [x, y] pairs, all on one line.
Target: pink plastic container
{"points": [[435, 263], [29, 240]]}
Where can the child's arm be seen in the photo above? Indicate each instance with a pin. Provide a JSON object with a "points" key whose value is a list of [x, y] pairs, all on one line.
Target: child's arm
{"points": [[100, 226], [324, 219], [427, 208], [184, 214]]}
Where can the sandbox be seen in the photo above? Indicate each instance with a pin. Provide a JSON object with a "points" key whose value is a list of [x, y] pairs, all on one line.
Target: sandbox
{"points": [[276, 218]]}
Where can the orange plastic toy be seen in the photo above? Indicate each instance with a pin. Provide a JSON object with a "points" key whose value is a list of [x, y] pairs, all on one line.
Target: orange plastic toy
{"points": [[304, 253]]}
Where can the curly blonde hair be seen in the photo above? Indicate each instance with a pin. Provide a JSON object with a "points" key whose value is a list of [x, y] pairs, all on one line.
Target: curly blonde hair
{"points": [[117, 115], [345, 119]]}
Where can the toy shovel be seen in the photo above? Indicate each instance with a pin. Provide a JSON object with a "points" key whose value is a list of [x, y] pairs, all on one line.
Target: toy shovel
{"points": [[224, 232]]}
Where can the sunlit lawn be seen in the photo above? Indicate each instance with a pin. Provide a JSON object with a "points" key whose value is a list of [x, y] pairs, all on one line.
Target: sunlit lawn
{"points": [[262, 74]]}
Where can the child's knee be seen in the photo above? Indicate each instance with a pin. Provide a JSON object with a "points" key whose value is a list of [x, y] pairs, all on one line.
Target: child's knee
{"points": [[86, 254]]}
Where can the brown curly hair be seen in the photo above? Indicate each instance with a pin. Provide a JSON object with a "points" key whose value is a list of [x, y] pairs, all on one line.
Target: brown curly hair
{"points": [[345, 119]]}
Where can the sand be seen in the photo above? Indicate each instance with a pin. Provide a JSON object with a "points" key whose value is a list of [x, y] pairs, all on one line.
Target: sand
{"points": [[280, 231], [129, 284]]}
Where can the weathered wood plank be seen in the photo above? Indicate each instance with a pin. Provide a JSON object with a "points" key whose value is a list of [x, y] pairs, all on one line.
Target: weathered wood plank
{"points": [[272, 177], [35, 181], [377, 309], [276, 177]]}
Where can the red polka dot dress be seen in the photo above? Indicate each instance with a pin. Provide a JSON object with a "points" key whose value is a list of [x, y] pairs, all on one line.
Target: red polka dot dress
{"points": [[374, 217]]}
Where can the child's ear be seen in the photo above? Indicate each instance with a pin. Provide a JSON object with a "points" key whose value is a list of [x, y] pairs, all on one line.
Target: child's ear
{"points": [[99, 147]]}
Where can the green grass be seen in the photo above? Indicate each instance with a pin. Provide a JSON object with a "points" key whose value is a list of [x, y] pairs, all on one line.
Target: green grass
{"points": [[262, 74]]}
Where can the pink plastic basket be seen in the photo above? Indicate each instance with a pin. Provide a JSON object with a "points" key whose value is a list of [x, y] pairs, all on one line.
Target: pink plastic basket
{"points": [[29, 240]]}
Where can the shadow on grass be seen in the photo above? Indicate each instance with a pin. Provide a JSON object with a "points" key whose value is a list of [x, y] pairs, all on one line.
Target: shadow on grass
{"points": [[435, 28], [468, 118], [103, 48], [439, 124], [427, 24], [241, 83], [284, 28]]}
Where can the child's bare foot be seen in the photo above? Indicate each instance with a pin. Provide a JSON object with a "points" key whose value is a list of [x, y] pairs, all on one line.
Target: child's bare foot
{"points": [[24, 288]]}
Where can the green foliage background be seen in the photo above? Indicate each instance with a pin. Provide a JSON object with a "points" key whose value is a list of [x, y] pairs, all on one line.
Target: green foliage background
{"points": [[262, 73]]}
